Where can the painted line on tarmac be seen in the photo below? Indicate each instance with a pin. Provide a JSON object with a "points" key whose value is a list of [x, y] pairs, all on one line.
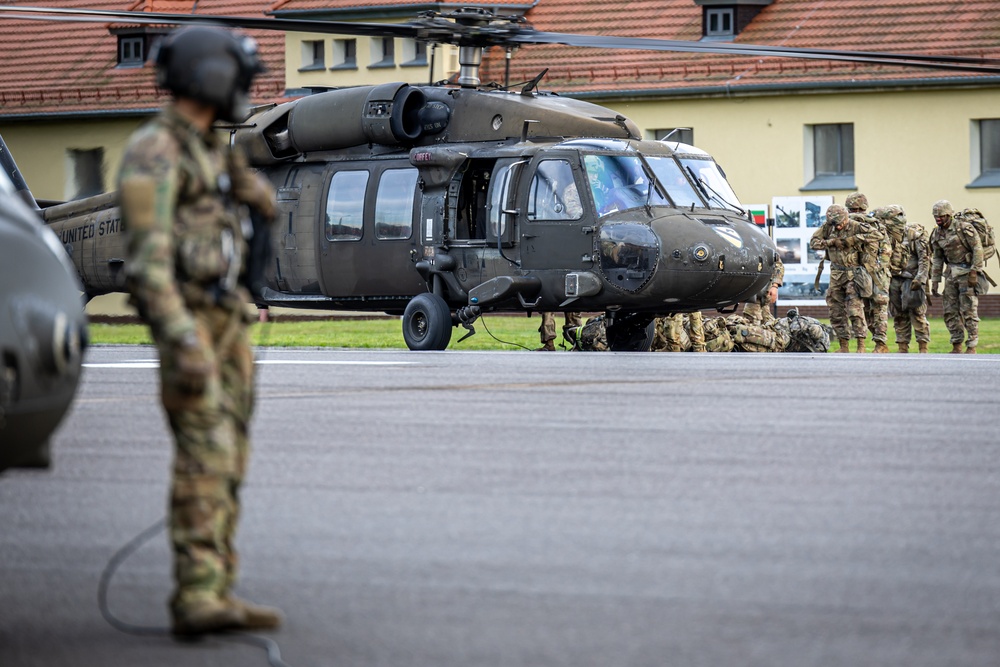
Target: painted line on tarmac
{"points": [[153, 363]]}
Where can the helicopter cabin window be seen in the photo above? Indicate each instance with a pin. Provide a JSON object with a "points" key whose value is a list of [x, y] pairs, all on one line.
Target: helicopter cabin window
{"points": [[414, 53], [345, 54], [618, 183], [711, 181], [985, 150], [675, 180], [345, 205], [383, 52], [553, 194], [682, 135], [829, 159], [394, 204], [313, 55]]}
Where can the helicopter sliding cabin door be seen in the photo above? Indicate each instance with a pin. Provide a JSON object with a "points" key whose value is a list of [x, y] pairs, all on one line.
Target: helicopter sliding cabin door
{"points": [[367, 235], [557, 223]]}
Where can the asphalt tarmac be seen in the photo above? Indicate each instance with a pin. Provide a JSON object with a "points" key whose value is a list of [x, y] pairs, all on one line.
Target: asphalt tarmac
{"points": [[477, 509]]}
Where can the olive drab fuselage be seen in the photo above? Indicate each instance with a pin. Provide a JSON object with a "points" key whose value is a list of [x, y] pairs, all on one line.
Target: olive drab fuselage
{"points": [[490, 200]]}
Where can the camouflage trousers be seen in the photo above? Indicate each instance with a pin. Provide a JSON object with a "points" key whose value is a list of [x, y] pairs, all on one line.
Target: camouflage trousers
{"points": [[548, 327], [961, 310], [877, 312], [210, 456], [914, 319], [847, 312], [679, 333]]}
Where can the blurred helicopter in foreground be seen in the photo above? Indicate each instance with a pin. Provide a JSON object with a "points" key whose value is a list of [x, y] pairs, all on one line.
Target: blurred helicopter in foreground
{"points": [[43, 331], [441, 202]]}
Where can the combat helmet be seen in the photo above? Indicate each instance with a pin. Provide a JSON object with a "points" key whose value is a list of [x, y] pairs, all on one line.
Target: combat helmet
{"points": [[211, 65], [836, 214], [942, 208], [856, 202]]}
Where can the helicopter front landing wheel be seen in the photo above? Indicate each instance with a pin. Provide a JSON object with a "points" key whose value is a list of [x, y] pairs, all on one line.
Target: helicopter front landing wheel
{"points": [[631, 333], [427, 323]]}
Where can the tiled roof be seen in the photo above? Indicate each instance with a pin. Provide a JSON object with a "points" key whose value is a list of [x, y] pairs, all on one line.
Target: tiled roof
{"points": [[50, 68], [360, 5], [70, 68], [940, 27]]}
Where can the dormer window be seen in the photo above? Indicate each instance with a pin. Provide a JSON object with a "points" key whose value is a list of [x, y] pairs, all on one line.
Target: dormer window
{"points": [[725, 19], [135, 44], [719, 22]]}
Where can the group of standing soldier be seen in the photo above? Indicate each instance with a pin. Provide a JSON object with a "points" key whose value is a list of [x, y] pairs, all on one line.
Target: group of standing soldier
{"points": [[879, 265]]}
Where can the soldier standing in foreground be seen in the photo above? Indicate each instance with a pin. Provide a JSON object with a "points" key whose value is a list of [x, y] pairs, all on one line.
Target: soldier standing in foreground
{"points": [[181, 192], [909, 265], [957, 243], [844, 239], [876, 261]]}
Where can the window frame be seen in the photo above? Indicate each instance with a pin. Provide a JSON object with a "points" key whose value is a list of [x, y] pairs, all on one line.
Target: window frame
{"points": [[825, 180], [344, 54], [327, 226], [721, 14], [380, 198], [385, 49], [982, 175]]}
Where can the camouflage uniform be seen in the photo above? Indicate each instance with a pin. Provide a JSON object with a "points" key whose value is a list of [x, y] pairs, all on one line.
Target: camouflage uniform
{"points": [[593, 336], [759, 308], [547, 329], [909, 265], [180, 190], [876, 261], [957, 243], [751, 336], [845, 239], [679, 332]]}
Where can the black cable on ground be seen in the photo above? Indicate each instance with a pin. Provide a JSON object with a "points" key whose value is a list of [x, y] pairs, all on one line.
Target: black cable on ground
{"points": [[269, 645]]}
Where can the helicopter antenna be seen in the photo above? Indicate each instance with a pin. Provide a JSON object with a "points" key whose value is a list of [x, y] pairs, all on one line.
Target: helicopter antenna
{"points": [[531, 85]]}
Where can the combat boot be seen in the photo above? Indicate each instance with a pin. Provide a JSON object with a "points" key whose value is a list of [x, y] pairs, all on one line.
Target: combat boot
{"points": [[956, 348], [844, 345], [205, 616], [922, 344], [255, 617], [861, 346], [547, 346], [970, 350], [904, 348], [881, 347]]}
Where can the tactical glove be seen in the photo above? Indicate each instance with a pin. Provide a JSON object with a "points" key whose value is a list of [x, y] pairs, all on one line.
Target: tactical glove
{"points": [[193, 366], [835, 243], [973, 278]]}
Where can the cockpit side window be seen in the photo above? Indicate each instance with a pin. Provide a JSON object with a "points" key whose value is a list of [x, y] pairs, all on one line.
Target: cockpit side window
{"points": [[553, 194], [675, 181], [618, 182], [345, 206]]}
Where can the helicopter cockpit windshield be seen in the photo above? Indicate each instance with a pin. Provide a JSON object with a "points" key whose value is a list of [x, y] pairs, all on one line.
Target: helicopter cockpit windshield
{"points": [[621, 182]]}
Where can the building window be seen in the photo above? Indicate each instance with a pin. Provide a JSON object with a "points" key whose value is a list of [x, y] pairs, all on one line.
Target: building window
{"points": [[85, 172], [345, 54], [985, 153], [829, 157], [719, 22], [684, 135], [414, 53], [383, 52], [131, 51], [313, 55]]}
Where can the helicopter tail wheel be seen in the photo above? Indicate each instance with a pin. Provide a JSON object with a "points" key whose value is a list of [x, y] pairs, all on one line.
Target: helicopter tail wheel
{"points": [[631, 334], [427, 323]]}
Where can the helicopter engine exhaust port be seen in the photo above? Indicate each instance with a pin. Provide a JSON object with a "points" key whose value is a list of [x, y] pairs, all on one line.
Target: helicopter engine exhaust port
{"points": [[427, 323]]}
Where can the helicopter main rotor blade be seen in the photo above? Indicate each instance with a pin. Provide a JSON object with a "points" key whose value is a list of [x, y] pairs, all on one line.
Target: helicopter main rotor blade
{"points": [[528, 37], [503, 31]]}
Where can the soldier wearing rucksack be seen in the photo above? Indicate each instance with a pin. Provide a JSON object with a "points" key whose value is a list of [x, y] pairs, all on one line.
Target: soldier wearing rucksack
{"points": [[957, 243], [909, 265]]}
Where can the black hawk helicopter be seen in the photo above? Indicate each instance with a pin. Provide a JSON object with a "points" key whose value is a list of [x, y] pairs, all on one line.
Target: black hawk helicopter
{"points": [[43, 330], [442, 202]]}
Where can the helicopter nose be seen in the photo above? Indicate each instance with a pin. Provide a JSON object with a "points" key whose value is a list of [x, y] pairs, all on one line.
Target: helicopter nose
{"points": [[629, 253], [53, 338]]}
